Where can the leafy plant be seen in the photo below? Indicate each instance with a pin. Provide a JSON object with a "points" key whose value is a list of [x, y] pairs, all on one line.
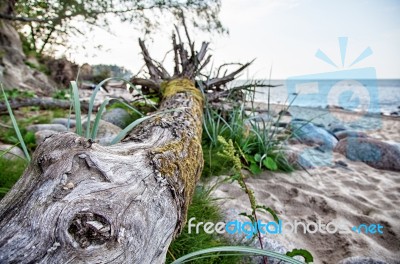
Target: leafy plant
{"points": [[17, 93], [15, 125], [204, 209], [229, 152], [260, 144], [92, 133], [308, 258], [243, 251], [41, 67], [209, 254], [61, 94]]}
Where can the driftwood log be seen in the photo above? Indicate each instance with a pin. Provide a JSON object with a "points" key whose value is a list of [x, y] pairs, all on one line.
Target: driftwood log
{"points": [[79, 202], [42, 103]]}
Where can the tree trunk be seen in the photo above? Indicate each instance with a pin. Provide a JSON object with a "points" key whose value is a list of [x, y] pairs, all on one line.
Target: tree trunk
{"points": [[84, 203], [42, 103], [79, 202]]}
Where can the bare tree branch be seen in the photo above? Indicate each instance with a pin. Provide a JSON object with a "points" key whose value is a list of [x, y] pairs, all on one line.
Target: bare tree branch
{"points": [[24, 19], [230, 77], [42, 103], [155, 73], [176, 58], [145, 82]]}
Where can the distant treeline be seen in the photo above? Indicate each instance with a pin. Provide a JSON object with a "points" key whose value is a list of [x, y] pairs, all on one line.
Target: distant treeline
{"points": [[111, 70]]}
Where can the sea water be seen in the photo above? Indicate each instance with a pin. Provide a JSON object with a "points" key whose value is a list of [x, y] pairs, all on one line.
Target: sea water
{"points": [[375, 96]]}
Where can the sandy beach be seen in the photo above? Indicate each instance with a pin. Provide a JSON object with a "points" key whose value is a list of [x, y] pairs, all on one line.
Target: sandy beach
{"points": [[346, 193]]}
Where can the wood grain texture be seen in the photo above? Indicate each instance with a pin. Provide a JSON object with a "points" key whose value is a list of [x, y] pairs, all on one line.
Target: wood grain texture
{"points": [[79, 202]]}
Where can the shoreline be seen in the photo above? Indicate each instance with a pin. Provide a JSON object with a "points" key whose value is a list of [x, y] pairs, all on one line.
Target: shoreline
{"points": [[346, 192], [333, 108]]}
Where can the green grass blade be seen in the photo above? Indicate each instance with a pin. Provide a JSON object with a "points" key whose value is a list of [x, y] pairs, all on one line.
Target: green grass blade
{"points": [[250, 250], [98, 117], [70, 107], [126, 130], [91, 103], [77, 107], [4, 152], [15, 125], [130, 107], [100, 111], [95, 91], [4, 190]]}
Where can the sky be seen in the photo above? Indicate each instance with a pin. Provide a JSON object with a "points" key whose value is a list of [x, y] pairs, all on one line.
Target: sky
{"points": [[282, 35]]}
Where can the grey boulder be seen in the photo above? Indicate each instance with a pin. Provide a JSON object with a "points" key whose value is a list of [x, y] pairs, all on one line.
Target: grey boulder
{"points": [[117, 116], [64, 122], [13, 152], [54, 127], [345, 134], [41, 135], [106, 132], [375, 153], [310, 134]]}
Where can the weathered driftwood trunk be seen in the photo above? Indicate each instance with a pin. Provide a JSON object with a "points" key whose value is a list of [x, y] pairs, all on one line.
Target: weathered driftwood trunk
{"points": [[79, 202], [84, 203], [42, 103]]}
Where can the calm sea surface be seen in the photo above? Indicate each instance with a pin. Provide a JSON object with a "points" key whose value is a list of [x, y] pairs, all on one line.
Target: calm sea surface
{"points": [[375, 96]]}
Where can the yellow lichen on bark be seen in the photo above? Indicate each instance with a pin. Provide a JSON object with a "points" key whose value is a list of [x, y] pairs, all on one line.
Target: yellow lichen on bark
{"points": [[180, 161], [181, 85]]}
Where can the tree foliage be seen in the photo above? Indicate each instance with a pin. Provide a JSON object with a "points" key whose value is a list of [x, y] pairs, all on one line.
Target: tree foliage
{"points": [[45, 22]]}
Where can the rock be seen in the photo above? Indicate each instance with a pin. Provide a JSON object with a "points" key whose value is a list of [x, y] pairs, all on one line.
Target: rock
{"points": [[300, 120], [361, 260], [305, 157], [334, 107], [284, 113], [333, 128], [394, 113], [62, 71], [13, 70], [117, 116], [310, 134], [64, 122], [282, 124], [268, 244], [14, 153], [345, 134], [41, 135], [341, 163], [106, 132], [316, 157], [261, 118], [40, 127], [396, 144], [375, 153]]}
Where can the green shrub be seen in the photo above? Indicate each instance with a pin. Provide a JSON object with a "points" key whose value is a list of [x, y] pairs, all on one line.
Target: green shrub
{"points": [[61, 94], [204, 209], [17, 93], [214, 164], [258, 144]]}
